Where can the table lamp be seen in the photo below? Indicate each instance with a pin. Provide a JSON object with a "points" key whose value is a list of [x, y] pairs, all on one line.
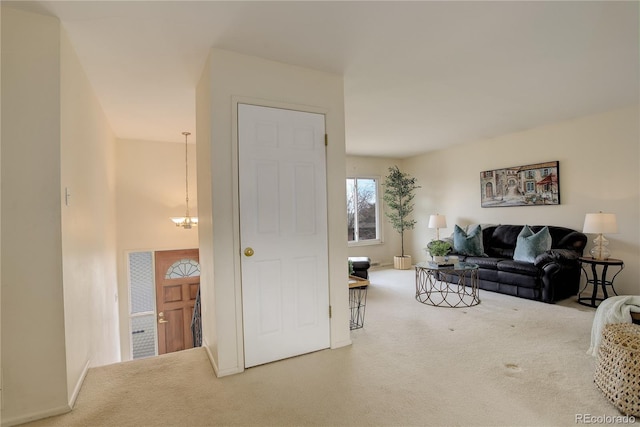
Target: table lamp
{"points": [[437, 221], [600, 223]]}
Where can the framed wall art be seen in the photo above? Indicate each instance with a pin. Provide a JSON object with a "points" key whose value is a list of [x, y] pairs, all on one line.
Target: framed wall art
{"points": [[529, 185]]}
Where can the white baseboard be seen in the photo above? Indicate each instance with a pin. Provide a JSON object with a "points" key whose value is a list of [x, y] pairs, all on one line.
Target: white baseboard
{"points": [[25, 418], [76, 389], [214, 365], [219, 373], [381, 266], [340, 344], [231, 371], [53, 411]]}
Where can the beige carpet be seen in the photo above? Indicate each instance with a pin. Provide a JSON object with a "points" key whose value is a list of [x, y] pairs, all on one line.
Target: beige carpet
{"points": [[505, 362]]}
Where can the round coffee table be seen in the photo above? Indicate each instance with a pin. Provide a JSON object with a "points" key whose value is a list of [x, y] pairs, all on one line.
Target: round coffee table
{"points": [[447, 286]]}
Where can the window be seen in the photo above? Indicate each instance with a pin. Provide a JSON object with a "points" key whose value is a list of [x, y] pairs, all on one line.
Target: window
{"points": [[142, 305], [362, 210], [531, 187], [183, 268]]}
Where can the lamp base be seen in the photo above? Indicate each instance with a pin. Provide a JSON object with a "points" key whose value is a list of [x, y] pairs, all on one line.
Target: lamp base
{"points": [[600, 250]]}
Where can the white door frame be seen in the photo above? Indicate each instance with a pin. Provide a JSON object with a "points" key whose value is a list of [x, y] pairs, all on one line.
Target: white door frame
{"points": [[235, 100], [297, 304]]}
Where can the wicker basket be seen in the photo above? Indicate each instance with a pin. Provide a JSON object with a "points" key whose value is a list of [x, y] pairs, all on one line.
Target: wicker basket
{"points": [[617, 371]]}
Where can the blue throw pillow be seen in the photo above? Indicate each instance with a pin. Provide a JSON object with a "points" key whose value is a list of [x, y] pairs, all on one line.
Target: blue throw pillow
{"points": [[529, 244], [468, 244]]}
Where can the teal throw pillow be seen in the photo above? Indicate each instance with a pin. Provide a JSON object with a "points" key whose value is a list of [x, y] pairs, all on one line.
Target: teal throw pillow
{"points": [[529, 244], [468, 244]]}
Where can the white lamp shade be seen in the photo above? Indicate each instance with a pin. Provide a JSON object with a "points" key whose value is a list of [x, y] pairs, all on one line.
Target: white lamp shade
{"points": [[600, 223], [437, 221]]}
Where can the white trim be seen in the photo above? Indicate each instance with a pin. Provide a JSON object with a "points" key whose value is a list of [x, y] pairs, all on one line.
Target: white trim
{"points": [[231, 371], [59, 410], [76, 390], [235, 100], [365, 243], [212, 360], [379, 213], [218, 373], [142, 313], [339, 344], [53, 411], [237, 275], [155, 308]]}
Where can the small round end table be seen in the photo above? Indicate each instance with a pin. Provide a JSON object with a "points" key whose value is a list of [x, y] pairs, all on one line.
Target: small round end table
{"points": [[598, 280]]}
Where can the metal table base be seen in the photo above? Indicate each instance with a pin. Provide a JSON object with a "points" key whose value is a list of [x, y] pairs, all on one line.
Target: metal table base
{"points": [[452, 287]]}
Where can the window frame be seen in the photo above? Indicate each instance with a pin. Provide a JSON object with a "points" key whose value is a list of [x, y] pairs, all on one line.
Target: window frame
{"points": [[379, 222], [130, 314]]}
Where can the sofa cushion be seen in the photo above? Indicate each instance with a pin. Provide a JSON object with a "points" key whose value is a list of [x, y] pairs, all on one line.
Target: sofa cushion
{"points": [[573, 240], [500, 252], [360, 262], [561, 256], [468, 243], [485, 274], [519, 267], [502, 241], [487, 263], [517, 280], [360, 266], [529, 244]]}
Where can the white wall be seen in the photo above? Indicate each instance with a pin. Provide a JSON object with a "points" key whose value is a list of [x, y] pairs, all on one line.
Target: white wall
{"points": [[206, 172], [226, 75], [378, 167], [33, 334], [150, 190], [88, 225], [0, 220], [59, 313], [599, 162]]}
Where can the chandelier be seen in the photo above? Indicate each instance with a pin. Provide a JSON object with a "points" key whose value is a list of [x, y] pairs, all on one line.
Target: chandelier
{"points": [[187, 221]]}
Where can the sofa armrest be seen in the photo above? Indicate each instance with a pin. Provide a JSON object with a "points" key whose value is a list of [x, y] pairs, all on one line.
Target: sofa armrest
{"points": [[559, 256], [574, 241]]}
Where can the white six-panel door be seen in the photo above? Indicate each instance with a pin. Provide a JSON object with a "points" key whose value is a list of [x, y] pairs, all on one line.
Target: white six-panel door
{"points": [[283, 233]]}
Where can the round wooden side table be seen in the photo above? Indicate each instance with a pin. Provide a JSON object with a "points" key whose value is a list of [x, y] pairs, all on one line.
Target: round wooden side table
{"points": [[598, 280]]}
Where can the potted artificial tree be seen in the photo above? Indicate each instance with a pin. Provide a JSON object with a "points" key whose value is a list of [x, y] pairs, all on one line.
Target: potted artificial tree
{"points": [[398, 194]]}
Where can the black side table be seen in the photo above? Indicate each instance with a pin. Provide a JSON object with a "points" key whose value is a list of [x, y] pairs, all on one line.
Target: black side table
{"points": [[596, 281], [357, 301]]}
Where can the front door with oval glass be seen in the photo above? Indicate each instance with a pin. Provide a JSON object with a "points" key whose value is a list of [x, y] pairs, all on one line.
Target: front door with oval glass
{"points": [[177, 284]]}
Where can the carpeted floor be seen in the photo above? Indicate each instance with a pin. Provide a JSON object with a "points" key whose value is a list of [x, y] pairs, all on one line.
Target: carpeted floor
{"points": [[505, 362]]}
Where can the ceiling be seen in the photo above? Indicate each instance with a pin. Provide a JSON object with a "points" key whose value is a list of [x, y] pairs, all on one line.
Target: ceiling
{"points": [[418, 75]]}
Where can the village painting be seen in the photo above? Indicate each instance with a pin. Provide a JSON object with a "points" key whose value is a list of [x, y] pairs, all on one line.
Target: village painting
{"points": [[529, 185]]}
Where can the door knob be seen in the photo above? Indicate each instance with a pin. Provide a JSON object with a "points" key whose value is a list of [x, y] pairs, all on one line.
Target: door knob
{"points": [[248, 252], [161, 318]]}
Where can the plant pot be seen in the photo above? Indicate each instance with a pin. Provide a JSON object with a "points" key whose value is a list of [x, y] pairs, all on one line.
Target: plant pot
{"points": [[402, 262], [439, 259]]}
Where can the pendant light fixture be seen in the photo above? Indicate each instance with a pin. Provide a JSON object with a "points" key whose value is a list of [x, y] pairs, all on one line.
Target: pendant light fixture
{"points": [[187, 221]]}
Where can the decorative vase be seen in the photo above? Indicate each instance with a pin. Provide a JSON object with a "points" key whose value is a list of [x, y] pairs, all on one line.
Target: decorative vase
{"points": [[402, 262]]}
